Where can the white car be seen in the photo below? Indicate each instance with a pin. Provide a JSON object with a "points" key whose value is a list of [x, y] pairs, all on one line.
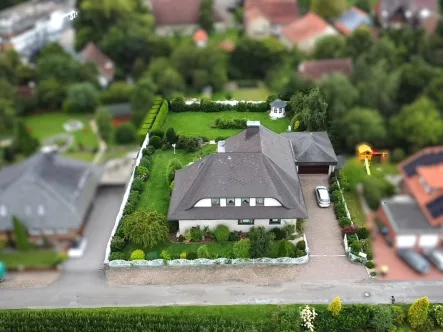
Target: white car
{"points": [[322, 195]]}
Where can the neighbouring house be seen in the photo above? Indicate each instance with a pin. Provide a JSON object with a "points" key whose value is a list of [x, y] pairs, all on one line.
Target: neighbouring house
{"points": [[172, 16], [201, 38], [416, 13], [415, 218], [30, 26], [351, 20], [121, 113], [278, 109], [318, 69], [91, 53], [264, 18], [305, 32], [51, 194], [252, 180]]}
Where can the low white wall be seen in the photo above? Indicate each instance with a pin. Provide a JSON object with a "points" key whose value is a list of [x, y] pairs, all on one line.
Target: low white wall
{"points": [[78, 252], [125, 199], [233, 225], [227, 102]]}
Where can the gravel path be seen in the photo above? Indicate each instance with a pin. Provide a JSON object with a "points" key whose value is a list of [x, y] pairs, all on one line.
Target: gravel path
{"points": [[30, 279]]}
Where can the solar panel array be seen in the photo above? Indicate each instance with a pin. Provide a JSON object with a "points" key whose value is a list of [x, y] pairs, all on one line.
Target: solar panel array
{"points": [[436, 207], [425, 160]]}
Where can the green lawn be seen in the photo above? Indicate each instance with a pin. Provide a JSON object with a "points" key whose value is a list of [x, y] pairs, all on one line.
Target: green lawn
{"points": [[155, 195], [353, 203], [199, 123], [33, 258], [256, 94]]}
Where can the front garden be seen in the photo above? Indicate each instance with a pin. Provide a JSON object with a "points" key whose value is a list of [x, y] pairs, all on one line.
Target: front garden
{"points": [[335, 317]]}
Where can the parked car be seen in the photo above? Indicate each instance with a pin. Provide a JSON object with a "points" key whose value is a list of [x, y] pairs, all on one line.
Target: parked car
{"points": [[414, 260], [322, 195], [435, 256]]}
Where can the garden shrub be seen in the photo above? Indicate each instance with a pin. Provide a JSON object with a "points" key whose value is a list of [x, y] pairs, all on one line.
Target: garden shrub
{"points": [[349, 230], [278, 232], [284, 249], [398, 155], [148, 151], [344, 221], [260, 242], [134, 195], [344, 184], [137, 184], [173, 226], [21, 235], [223, 123], [300, 226], [437, 314], [146, 162], [171, 136], [418, 312], [181, 238], [117, 255], [241, 248], [117, 243], [189, 144], [289, 230], [196, 234], [165, 255], [191, 255], [301, 245], [362, 233], [221, 233], [335, 196], [203, 251], [142, 173], [125, 133], [356, 247], [286, 319], [183, 255], [382, 319], [370, 264], [157, 132], [137, 255], [129, 208], [352, 238], [155, 141], [152, 255], [398, 315], [188, 235], [335, 306], [161, 116], [333, 187], [365, 246], [308, 315], [300, 253], [209, 234], [355, 317], [234, 236], [173, 166]]}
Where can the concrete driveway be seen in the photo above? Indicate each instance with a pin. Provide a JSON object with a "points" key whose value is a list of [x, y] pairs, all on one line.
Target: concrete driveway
{"points": [[327, 259], [98, 229]]}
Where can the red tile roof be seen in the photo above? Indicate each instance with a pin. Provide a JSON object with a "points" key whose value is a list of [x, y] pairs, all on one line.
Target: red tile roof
{"points": [[315, 70], [93, 54], [305, 28], [178, 12], [200, 35], [276, 11], [433, 175]]}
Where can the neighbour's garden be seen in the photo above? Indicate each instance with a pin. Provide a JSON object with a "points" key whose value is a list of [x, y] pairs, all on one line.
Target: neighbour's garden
{"points": [[419, 316]]}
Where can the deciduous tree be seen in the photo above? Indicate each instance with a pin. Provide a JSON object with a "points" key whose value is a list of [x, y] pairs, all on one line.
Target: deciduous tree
{"points": [[82, 98], [329, 9], [206, 18], [330, 47], [310, 110]]}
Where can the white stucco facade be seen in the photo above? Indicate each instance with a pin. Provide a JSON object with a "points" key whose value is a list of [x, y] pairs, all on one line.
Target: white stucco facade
{"points": [[277, 112], [233, 225]]}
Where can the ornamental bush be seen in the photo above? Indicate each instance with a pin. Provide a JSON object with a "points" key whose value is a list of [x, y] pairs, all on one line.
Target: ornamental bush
{"points": [[344, 221], [221, 233], [333, 187], [146, 162], [192, 255], [142, 173], [335, 196], [117, 255], [155, 141], [418, 312], [370, 265], [289, 229], [152, 255], [284, 249], [362, 233], [173, 166], [335, 306], [137, 184], [349, 230], [149, 151], [241, 248], [171, 136], [278, 232], [137, 255], [301, 245], [233, 236], [183, 255], [308, 316], [382, 319], [437, 314], [261, 241], [203, 251], [356, 247], [300, 253], [117, 243], [165, 255], [223, 123], [126, 133], [398, 315], [286, 319], [157, 132], [196, 234]]}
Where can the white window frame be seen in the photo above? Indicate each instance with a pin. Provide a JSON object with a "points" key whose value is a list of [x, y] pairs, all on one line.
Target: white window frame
{"points": [[48, 231], [243, 222], [215, 204], [258, 203], [230, 204], [3, 211]]}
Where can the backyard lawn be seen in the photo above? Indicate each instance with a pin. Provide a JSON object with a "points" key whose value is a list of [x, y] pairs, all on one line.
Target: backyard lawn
{"points": [[357, 215], [32, 258], [199, 123], [255, 94]]}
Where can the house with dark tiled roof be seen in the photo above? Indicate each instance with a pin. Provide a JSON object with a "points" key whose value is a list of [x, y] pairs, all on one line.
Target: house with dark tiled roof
{"points": [[416, 13], [180, 16], [120, 113], [264, 18], [306, 31], [352, 19], [415, 218], [318, 69], [51, 194], [252, 179], [106, 67]]}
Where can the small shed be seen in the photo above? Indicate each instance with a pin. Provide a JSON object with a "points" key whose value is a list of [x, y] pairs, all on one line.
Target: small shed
{"points": [[278, 107]]}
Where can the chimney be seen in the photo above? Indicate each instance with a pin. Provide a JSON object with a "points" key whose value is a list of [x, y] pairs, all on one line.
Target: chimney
{"points": [[221, 146], [251, 124], [49, 151]]}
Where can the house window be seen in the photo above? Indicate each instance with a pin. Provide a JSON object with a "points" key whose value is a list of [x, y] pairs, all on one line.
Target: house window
{"points": [[274, 221], [281, 110], [215, 201], [48, 231], [245, 201], [260, 201], [41, 210], [230, 201], [3, 211], [246, 221]]}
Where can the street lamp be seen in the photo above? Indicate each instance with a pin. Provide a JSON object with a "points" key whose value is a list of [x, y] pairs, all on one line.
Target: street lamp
{"points": [[173, 145]]}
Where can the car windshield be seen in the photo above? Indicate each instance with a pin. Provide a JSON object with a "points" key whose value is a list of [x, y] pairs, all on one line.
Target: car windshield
{"points": [[323, 193]]}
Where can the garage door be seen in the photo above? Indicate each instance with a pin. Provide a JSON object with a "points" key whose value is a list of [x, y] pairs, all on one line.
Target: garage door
{"points": [[313, 169], [428, 241], [406, 241]]}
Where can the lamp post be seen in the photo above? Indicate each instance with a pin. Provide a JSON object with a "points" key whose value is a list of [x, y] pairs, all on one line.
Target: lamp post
{"points": [[173, 145]]}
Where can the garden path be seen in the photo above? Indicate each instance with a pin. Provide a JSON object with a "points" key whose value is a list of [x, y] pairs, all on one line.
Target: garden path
{"points": [[102, 146]]}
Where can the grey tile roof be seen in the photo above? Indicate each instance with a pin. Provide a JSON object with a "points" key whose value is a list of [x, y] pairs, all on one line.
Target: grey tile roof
{"points": [[405, 216], [65, 188], [278, 103], [256, 163], [312, 148], [122, 109]]}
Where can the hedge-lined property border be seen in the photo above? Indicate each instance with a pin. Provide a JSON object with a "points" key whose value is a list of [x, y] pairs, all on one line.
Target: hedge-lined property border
{"points": [[149, 119], [179, 105], [160, 119]]}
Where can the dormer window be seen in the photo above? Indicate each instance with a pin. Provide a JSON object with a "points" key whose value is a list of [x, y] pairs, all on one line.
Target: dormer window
{"points": [[246, 221], [3, 211], [215, 201], [41, 210], [230, 201], [245, 202], [274, 221], [260, 201]]}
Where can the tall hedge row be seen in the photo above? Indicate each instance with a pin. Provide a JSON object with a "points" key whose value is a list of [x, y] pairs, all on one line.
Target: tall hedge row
{"points": [[161, 116], [149, 119], [179, 105]]}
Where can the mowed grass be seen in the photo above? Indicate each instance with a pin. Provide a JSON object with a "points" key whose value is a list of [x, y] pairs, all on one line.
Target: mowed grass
{"points": [[199, 123], [32, 258], [46, 125], [260, 93], [358, 217]]}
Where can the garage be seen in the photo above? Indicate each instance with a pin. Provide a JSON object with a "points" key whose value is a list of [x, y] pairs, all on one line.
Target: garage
{"points": [[406, 241], [313, 169], [428, 241]]}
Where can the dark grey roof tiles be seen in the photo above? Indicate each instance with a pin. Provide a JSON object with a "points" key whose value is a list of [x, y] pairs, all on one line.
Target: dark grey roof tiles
{"points": [[312, 148], [278, 103]]}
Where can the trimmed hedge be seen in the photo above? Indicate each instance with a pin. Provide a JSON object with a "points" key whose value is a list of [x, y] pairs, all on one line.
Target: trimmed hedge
{"points": [[161, 116], [149, 119], [210, 106], [223, 123]]}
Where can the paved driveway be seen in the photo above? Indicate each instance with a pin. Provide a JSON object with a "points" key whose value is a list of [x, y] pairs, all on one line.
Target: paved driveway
{"points": [[327, 259]]}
